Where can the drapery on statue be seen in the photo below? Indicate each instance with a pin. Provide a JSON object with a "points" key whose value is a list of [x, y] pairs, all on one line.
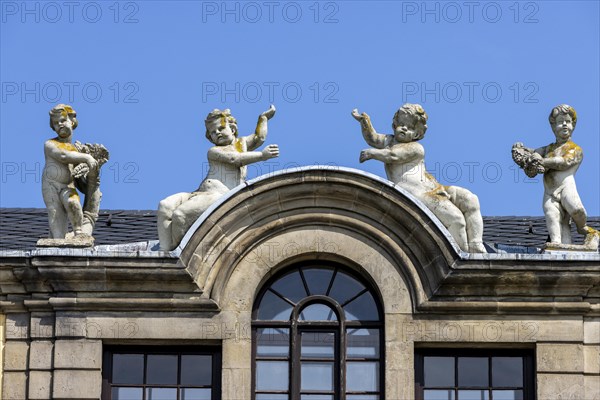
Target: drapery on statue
{"points": [[227, 161], [404, 160], [69, 167], [559, 162]]}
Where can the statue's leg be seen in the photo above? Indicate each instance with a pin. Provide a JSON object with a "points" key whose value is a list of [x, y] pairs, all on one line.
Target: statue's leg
{"points": [[187, 213], [468, 204], [451, 217], [552, 211], [565, 228], [571, 202], [57, 217], [166, 208], [71, 203]]}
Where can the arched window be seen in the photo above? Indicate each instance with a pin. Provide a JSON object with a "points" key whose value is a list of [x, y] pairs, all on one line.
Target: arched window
{"points": [[317, 335]]}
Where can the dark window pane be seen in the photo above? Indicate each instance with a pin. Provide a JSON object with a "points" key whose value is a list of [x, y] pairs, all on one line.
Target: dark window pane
{"points": [[362, 308], [291, 287], [128, 368], [473, 395], [507, 394], [473, 371], [317, 280], [195, 394], [316, 397], [362, 376], [125, 393], [317, 312], [196, 370], [507, 371], [271, 375], [362, 343], [161, 393], [318, 344], [344, 287], [161, 369], [272, 342], [266, 396], [439, 395], [272, 307], [439, 371], [316, 376]]}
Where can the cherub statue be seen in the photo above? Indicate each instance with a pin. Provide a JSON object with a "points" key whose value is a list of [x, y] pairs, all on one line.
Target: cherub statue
{"points": [[558, 162], [70, 166], [404, 160], [227, 161]]}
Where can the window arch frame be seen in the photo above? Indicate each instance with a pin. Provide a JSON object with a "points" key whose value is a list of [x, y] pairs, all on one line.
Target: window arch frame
{"points": [[341, 326]]}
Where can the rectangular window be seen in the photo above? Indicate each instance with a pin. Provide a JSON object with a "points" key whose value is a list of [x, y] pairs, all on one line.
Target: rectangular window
{"points": [[161, 373], [474, 374]]}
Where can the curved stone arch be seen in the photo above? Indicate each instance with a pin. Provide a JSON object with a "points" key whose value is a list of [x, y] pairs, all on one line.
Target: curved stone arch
{"points": [[333, 213]]}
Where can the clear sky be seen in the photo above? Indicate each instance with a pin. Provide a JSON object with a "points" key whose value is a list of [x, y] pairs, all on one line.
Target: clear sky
{"points": [[142, 75]]}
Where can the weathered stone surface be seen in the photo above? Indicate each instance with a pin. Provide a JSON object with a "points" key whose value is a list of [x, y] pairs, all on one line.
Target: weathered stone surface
{"points": [[40, 355], [236, 384], [591, 359], [77, 384], [40, 385], [75, 241], [83, 354], [592, 387], [591, 331], [42, 325], [15, 355], [17, 326], [237, 353], [14, 386], [560, 387], [558, 357]]}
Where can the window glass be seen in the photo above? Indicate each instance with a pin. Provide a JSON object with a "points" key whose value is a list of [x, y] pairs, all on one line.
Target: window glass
{"points": [[318, 345], [344, 287], [362, 308], [473, 371], [438, 394], [268, 396], [473, 395], [195, 394], [317, 312], [317, 280], [161, 393], [161, 369], [507, 371], [362, 343], [439, 371], [196, 370], [273, 342], [316, 376], [362, 376], [271, 375], [291, 287], [127, 393], [128, 368], [507, 394], [273, 307]]}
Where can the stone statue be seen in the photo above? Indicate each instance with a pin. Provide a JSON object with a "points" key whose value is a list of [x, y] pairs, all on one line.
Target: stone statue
{"points": [[227, 161], [559, 162], [403, 156], [69, 167]]}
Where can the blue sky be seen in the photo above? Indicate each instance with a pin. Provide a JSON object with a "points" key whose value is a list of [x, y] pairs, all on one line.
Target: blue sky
{"points": [[142, 75]]}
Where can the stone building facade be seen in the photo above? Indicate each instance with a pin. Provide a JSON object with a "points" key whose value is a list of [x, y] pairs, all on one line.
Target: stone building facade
{"points": [[313, 283]]}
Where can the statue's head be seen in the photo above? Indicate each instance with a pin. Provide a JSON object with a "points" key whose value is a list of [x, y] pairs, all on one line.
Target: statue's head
{"points": [[221, 127], [410, 123], [63, 119], [563, 119]]}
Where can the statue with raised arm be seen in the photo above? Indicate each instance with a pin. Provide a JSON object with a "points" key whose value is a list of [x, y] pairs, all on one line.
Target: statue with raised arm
{"points": [[227, 161], [404, 159], [559, 162], [70, 167]]}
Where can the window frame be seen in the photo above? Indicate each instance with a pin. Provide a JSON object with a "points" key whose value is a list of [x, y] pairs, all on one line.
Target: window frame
{"points": [[528, 355], [146, 350], [341, 327]]}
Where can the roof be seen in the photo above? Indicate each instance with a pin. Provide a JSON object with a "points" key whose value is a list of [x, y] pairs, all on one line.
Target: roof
{"points": [[20, 228]]}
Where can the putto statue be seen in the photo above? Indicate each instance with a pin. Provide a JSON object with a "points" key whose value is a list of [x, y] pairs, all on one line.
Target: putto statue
{"points": [[559, 162], [227, 161], [69, 167], [404, 159]]}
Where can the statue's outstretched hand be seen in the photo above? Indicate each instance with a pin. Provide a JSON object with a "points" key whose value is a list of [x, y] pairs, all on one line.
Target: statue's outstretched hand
{"points": [[271, 151], [269, 113]]}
